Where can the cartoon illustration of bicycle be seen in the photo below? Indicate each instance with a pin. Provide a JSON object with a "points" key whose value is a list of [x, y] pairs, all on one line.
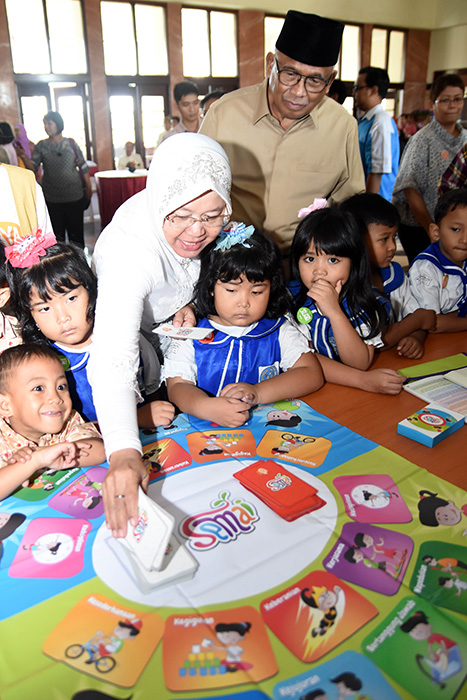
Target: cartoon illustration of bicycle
{"points": [[103, 664]]}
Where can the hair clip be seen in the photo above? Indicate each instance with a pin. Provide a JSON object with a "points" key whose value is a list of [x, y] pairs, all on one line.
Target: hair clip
{"points": [[28, 250], [233, 233], [318, 203]]}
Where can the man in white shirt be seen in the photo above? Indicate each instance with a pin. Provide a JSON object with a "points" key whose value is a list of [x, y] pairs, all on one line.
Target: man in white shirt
{"points": [[130, 160]]}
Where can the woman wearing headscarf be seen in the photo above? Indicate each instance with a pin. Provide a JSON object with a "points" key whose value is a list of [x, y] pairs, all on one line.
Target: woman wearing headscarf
{"points": [[64, 171], [147, 263]]}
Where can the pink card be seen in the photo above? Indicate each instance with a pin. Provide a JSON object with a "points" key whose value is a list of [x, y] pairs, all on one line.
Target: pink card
{"points": [[372, 498]]}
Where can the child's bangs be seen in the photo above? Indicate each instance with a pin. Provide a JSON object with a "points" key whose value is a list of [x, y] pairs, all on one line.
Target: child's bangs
{"points": [[248, 262], [332, 243], [51, 279]]}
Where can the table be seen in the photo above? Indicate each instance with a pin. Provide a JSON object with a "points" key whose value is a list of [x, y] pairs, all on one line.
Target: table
{"points": [[375, 416], [116, 186]]}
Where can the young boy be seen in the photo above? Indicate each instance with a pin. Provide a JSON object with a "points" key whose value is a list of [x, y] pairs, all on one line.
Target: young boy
{"points": [[406, 323], [438, 276], [38, 428]]}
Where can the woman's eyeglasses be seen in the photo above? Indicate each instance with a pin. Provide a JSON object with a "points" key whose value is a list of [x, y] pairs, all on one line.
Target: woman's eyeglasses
{"points": [[182, 222]]}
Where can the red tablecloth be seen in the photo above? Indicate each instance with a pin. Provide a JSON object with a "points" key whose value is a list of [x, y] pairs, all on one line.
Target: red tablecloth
{"points": [[116, 186]]}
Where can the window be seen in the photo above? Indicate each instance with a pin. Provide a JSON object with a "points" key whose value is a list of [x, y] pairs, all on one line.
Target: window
{"points": [[388, 51], [349, 58], [40, 46], [272, 29], [209, 43], [135, 41]]}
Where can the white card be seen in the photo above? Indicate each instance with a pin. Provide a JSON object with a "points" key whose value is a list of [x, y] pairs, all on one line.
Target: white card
{"points": [[183, 332], [149, 538]]}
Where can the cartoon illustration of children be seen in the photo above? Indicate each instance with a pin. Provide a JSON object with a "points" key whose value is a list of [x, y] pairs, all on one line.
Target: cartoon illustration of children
{"points": [[212, 447], [229, 635], [364, 541], [283, 419], [103, 645], [442, 651], [325, 600], [9, 522], [454, 582], [434, 511], [354, 555], [444, 563], [368, 496], [317, 694], [52, 546], [348, 685]]}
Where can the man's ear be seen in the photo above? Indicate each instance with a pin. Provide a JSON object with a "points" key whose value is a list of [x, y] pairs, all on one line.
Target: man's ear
{"points": [[269, 63], [5, 405], [434, 232], [4, 296], [334, 73]]}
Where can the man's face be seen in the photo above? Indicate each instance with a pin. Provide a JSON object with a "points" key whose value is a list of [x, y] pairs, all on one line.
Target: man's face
{"points": [[293, 101], [361, 93], [129, 148], [189, 108]]}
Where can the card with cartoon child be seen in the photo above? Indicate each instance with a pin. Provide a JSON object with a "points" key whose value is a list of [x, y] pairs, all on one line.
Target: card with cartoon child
{"points": [[372, 498], [316, 614], [165, 456], [440, 575], [216, 650], [83, 496], [370, 556], [348, 675], [108, 640], [214, 444], [44, 483], [422, 648], [294, 447]]}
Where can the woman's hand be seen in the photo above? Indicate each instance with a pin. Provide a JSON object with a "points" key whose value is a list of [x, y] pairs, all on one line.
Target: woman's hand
{"points": [[120, 489], [185, 317]]}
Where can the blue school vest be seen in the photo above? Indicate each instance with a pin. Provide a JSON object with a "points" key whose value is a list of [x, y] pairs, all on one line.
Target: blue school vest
{"points": [[393, 277], [322, 336], [224, 359], [75, 365], [435, 256]]}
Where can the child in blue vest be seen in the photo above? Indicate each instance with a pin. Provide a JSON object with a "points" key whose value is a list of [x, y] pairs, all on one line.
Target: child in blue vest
{"points": [[254, 355], [332, 286], [406, 324], [438, 276], [54, 295]]}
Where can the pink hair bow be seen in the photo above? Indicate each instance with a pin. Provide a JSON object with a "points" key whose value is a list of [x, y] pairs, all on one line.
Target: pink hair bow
{"points": [[318, 203], [28, 250]]}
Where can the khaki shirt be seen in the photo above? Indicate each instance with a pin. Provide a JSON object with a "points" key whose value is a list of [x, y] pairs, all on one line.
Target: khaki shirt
{"points": [[276, 172]]}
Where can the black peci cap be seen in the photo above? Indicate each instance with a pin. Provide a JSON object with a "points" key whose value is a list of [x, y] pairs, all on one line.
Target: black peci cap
{"points": [[310, 39]]}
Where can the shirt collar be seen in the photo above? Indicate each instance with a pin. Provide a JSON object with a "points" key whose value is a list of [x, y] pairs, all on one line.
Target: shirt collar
{"points": [[261, 109], [371, 112]]}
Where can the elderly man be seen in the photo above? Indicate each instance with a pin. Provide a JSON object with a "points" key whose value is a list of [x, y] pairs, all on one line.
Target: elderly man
{"points": [[130, 159], [287, 142]]}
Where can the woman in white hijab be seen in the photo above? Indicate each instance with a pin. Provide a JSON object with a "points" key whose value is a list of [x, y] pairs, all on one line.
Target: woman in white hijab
{"points": [[147, 263]]}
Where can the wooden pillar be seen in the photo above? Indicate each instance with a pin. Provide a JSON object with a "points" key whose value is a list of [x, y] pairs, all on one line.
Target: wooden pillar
{"points": [[174, 49], [100, 112], [416, 67], [365, 48], [250, 47], [9, 108]]}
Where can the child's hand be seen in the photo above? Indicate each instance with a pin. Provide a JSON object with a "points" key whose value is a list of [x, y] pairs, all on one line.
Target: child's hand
{"points": [[427, 319], [229, 412], [22, 455], [410, 347], [156, 413], [184, 317], [326, 295], [382, 381], [243, 391], [63, 455]]}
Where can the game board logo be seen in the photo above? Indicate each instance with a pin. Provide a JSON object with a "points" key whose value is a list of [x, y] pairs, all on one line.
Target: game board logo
{"points": [[227, 519], [279, 482], [140, 527]]}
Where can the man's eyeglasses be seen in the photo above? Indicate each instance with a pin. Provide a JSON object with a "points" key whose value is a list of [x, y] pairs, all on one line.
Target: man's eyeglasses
{"points": [[445, 101], [183, 222], [357, 88], [289, 77]]}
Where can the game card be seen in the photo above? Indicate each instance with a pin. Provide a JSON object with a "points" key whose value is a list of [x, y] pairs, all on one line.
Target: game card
{"points": [[44, 483], [51, 548], [349, 675], [294, 447], [165, 456], [213, 445], [371, 557], [422, 648], [372, 498], [107, 640], [440, 575], [83, 496], [216, 650], [316, 614]]}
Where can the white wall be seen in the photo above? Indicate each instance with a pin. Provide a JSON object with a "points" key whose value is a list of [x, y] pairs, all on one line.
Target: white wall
{"points": [[448, 49]]}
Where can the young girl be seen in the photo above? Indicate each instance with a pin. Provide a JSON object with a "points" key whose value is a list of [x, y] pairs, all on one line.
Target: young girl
{"points": [[54, 296], [241, 296], [332, 285]]}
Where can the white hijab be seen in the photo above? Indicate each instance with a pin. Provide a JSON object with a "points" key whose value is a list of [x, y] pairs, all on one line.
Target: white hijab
{"points": [[184, 167]]}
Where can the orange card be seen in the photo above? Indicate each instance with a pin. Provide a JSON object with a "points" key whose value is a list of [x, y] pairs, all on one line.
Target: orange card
{"points": [[294, 448], [314, 615], [108, 640], [214, 445], [216, 650]]}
